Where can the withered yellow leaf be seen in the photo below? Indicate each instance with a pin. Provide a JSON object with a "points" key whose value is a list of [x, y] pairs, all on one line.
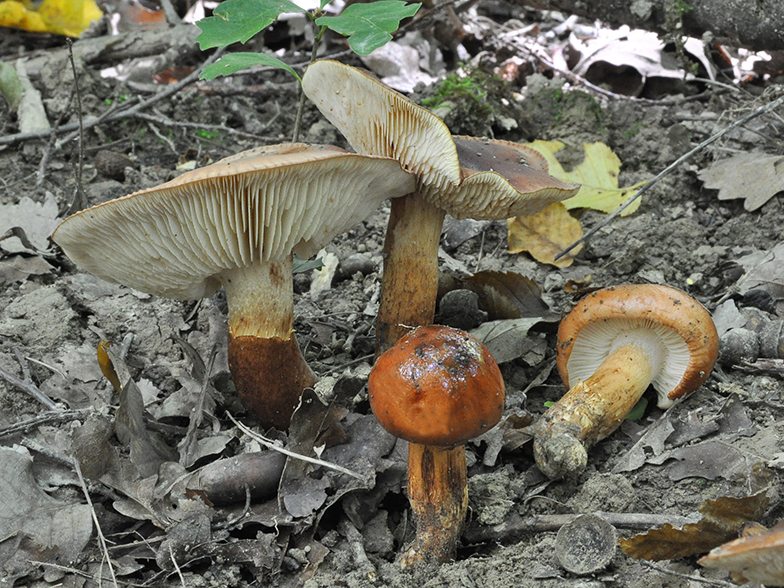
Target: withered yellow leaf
{"points": [[545, 234], [62, 17], [598, 174]]}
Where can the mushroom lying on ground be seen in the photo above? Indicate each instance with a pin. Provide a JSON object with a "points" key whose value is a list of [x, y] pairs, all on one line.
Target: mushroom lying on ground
{"points": [[755, 557], [611, 346], [235, 224], [437, 387], [464, 176]]}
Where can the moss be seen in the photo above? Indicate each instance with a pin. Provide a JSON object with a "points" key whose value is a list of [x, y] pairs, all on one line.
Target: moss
{"points": [[476, 103]]}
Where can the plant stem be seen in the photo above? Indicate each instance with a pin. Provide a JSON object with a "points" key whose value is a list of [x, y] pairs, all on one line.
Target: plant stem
{"points": [[301, 106]]}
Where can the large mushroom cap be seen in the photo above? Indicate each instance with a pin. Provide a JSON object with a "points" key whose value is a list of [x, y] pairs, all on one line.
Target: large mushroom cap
{"points": [[437, 386], [466, 176], [587, 335], [259, 205], [378, 121]]}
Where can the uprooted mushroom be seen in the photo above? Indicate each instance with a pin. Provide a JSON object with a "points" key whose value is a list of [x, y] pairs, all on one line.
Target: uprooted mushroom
{"points": [[611, 346], [235, 224], [466, 177]]}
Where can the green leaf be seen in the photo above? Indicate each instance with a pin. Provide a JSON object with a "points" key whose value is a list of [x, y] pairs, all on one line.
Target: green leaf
{"points": [[300, 266], [234, 62], [638, 411], [369, 26], [324, 3], [236, 21]]}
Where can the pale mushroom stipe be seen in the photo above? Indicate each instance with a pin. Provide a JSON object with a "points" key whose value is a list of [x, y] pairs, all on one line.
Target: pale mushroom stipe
{"points": [[611, 347], [235, 224], [465, 177], [437, 387]]}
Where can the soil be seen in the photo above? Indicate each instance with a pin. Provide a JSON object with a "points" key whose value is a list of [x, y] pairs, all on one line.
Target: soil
{"points": [[681, 235]]}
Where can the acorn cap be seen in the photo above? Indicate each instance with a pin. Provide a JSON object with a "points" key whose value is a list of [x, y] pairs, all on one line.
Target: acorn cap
{"points": [[587, 334], [457, 175], [437, 386], [174, 239]]}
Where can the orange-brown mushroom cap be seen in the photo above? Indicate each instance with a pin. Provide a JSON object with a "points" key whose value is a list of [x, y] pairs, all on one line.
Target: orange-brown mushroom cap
{"points": [[586, 335], [437, 386]]}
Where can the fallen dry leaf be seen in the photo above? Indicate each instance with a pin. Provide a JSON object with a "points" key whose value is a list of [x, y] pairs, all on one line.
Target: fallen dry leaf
{"points": [[508, 295], [37, 220], [625, 59], [722, 520], [545, 234], [755, 177], [43, 528], [598, 174]]}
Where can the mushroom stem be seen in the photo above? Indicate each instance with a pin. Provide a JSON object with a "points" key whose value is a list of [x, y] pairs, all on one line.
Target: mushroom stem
{"points": [[266, 363], [592, 409], [410, 284], [438, 492]]}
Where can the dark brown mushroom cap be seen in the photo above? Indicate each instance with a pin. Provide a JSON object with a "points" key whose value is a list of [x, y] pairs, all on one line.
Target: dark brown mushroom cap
{"points": [[437, 386], [586, 335], [175, 239]]}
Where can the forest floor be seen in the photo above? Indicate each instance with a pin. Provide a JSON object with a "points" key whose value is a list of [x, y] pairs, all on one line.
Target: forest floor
{"points": [[319, 529]]}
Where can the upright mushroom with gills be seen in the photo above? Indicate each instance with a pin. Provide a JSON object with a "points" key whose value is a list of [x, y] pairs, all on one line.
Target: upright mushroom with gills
{"points": [[437, 387], [611, 347], [235, 224], [464, 176]]}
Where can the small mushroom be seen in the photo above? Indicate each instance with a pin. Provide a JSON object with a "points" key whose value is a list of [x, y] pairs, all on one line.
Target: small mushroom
{"points": [[437, 387], [756, 557], [235, 224], [611, 347], [464, 176]]}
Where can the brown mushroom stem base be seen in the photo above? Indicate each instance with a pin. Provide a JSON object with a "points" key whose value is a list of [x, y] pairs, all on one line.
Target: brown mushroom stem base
{"points": [[438, 492], [410, 284], [590, 411], [266, 363]]}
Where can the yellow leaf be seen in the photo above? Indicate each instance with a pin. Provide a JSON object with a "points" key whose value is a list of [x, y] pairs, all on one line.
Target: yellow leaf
{"points": [[13, 14], [598, 174], [62, 17], [545, 234]]}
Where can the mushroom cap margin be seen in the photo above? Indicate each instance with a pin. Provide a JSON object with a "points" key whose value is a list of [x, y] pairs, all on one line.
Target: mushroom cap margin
{"points": [[175, 239], [673, 309]]}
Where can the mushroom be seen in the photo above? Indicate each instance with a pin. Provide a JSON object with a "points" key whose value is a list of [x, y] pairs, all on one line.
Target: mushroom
{"points": [[437, 387], [235, 224], [611, 346], [466, 177], [755, 557]]}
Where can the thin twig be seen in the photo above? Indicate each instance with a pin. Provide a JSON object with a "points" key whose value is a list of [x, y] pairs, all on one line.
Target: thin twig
{"points": [[720, 583], [30, 388], [101, 539], [78, 201], [59, 416], [629, 201], [275, 447], [50, 144], [543, 523], [116, 112]]}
